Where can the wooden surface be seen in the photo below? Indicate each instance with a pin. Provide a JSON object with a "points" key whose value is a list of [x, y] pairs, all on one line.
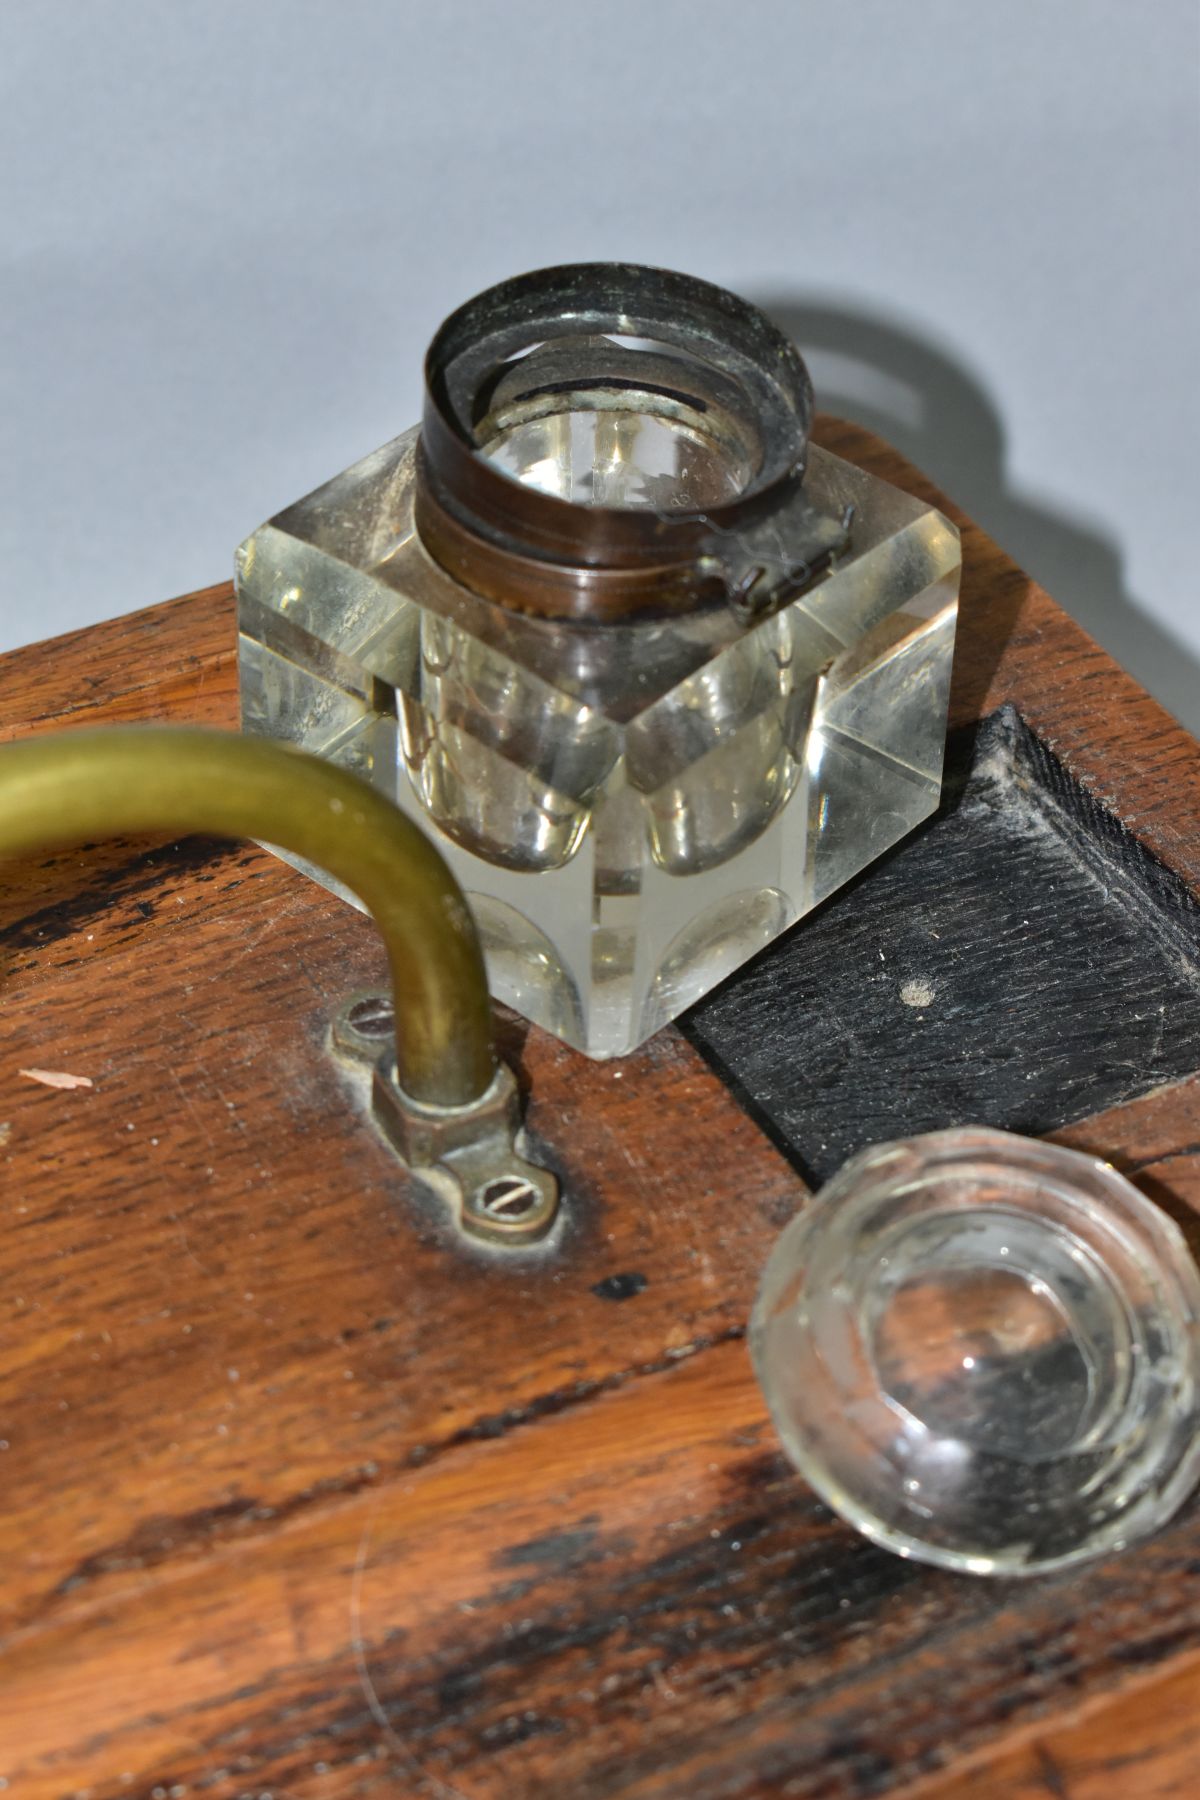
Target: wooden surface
{"points": [[301, 1500]]}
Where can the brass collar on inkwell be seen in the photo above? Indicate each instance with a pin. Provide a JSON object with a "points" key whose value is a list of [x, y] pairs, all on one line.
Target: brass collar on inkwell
{"points": [[687, 415]]}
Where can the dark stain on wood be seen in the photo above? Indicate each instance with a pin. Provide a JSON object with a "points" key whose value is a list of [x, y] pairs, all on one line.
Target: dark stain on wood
{"points": [[620, 1287], [129, 884], [555, 1549]]}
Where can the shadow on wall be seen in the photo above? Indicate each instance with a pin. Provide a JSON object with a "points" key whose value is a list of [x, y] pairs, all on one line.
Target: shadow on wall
{"points": [[937, 414]]}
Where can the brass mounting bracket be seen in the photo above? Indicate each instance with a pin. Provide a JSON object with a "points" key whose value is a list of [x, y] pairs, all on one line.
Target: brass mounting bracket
{"points": [[473, 1155]]}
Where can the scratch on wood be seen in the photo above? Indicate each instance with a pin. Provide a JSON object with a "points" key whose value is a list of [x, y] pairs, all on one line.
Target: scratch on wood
{"points": [[444, 1790], [199, 1123]]}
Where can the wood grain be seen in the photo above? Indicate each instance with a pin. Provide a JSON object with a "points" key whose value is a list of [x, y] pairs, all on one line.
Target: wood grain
{"points": [[302, 1499], [1146, 1743], [174, 661]]}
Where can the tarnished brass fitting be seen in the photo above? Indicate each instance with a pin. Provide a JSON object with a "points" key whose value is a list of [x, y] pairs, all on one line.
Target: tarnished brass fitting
{"points": [[472, 1154]]}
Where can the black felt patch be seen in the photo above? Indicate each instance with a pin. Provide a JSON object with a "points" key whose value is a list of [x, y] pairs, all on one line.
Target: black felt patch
{"points": [[1021, 961]]}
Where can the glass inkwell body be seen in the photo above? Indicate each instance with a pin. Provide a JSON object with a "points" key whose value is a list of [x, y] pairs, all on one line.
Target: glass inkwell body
{"points": [[658, 675]]}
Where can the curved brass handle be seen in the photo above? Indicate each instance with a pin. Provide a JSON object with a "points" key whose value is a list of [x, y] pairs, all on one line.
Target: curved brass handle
{"points": [[122, 781]]}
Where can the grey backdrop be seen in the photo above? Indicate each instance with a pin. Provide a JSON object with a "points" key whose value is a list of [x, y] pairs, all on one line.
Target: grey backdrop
{"points": [[230, 227]]}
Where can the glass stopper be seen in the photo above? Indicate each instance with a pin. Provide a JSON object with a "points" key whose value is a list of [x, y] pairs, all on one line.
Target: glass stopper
{"points": [[984, 1351]]}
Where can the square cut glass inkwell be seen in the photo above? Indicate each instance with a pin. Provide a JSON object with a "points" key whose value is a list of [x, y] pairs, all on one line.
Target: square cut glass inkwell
{"points": [[656, 675]]}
